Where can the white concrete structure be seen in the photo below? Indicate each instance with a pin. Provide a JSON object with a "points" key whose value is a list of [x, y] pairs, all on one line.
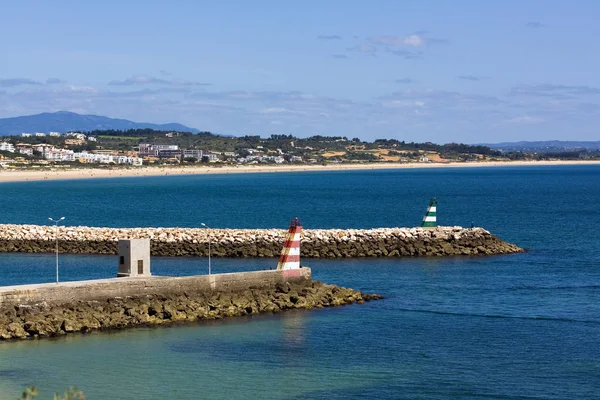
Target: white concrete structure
{"points": [[135, 161], [211, 156], [93, 158], [77, 135], [197, 154], [54, 154], [54, 134], [134, 258], [153, 150], [5, 146]]}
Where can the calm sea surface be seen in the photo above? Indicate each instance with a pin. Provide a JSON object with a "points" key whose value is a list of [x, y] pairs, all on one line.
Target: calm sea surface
{"points": [[523, 326]]}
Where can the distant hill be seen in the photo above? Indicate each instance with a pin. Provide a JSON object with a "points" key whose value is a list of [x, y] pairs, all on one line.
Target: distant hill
{"points": [[64, 121], [545, 146]]}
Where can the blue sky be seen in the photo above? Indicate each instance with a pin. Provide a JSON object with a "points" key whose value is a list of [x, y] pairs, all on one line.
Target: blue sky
{"points": [[441, 71]]}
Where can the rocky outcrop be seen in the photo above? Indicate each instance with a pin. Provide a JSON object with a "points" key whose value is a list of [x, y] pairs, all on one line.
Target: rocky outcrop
{"points": [[56, 319], [316, 243]]}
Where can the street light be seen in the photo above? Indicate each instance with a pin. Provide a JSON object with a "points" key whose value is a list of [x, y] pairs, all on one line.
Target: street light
{"points": [[56, 239], [208, 227]]}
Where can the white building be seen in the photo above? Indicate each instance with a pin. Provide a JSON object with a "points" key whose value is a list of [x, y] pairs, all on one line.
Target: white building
{"points": [[211, 156], [77, 135], [135, 161], [93, 158], [5, 146], [54, 134], [92, 139], [42, 147], [40, 134], [55, 154], [25, 134], [153, 150], [197, 154]]}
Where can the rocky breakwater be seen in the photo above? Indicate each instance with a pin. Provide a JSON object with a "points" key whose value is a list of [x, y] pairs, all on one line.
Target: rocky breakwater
{"points": [[316, 243], [24, 321]]}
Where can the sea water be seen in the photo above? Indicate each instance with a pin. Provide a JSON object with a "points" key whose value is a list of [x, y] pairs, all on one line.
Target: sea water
{"points": [[523, 326]]}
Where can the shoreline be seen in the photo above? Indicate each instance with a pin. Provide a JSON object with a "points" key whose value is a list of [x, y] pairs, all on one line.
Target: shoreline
{"points": [[91, 173]]}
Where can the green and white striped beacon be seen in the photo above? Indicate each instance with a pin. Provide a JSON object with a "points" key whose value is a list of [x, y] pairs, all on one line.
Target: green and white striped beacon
{"points": [[429, 220]]}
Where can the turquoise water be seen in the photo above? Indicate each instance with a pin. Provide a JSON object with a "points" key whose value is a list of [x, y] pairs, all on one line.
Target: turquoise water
{"points": [[523, 326]]}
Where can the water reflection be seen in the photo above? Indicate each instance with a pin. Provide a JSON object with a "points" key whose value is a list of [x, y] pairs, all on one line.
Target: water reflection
{"points": [[293, 328]]}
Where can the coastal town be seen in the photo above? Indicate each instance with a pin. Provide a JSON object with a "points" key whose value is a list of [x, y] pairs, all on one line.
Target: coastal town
{"points": [[45, 153], [51, 148], [39, 149], [146, 147]]}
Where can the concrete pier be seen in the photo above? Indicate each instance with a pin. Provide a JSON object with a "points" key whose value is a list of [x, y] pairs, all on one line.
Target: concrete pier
{"points": [[101, 289], [50, 309]]}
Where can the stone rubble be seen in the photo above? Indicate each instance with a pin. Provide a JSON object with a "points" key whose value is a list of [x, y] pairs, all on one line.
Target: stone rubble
{"points": [[316, 243], [50, 320]]}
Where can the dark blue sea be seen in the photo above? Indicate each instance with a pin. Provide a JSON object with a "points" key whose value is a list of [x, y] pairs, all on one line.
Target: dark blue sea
{"points": [[523, 326]]}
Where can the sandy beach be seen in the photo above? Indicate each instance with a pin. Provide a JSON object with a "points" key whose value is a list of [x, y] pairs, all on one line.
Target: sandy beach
{"points": [[7, 175]]}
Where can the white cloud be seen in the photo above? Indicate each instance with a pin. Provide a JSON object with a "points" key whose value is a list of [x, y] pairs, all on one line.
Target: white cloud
{"points": [[54, 81], [363, 48], [423, 114], [82, 89], [409, 55], [149, 80], [403, 103], [525, 120], [443, 98], [534, 24], [472, 78], [13, 82], [241, 94], [273, 110], [414, 40], [279, 110], [392, 40], [552, 90]]}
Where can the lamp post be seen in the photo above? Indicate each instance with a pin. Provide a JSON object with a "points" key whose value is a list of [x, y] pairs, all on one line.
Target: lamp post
{"points": [[56, 240], [209, 236]]}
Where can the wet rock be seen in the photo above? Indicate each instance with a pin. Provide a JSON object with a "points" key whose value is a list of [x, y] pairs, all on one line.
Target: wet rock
{"points": [[39, 321], [15, 329]]}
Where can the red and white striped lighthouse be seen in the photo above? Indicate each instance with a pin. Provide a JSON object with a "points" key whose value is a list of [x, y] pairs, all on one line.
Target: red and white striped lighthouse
{"points": [[290, 255]]}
